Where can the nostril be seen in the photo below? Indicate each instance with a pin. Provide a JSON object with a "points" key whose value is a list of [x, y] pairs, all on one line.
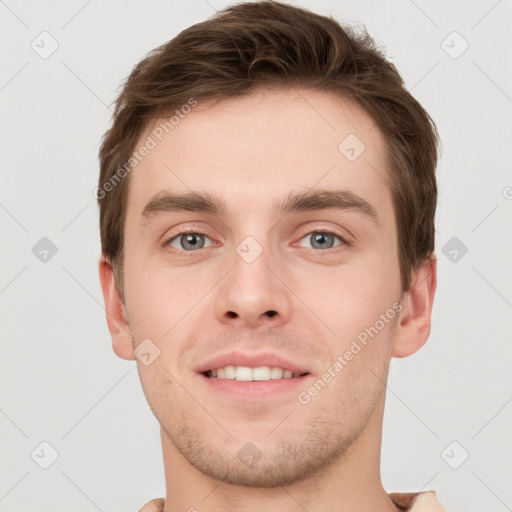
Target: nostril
{"points": [[232, 314], [271, 313]]}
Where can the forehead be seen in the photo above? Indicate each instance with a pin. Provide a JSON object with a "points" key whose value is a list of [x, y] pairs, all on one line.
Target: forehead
{"points": [[254, 150]]}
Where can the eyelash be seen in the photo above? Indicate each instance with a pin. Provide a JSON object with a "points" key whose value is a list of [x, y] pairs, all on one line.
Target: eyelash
{"points": [[342, 239]]}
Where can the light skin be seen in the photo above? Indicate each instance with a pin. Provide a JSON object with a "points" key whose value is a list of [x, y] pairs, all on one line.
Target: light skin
{"points": [[194, 303]]}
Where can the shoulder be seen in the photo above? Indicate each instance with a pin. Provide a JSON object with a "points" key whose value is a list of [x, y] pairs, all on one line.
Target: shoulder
{"points": [[417, 501], [156, 505], [407, 501]]}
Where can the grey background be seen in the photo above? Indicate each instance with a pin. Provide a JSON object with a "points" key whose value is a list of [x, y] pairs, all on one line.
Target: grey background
{"points": [[60, 381]]}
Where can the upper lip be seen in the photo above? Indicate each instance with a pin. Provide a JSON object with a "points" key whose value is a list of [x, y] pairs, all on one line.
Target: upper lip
{"points": [[252, 360]]}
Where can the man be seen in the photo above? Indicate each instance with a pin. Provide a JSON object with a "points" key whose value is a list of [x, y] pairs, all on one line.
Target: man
{"points": [[267, 198]]}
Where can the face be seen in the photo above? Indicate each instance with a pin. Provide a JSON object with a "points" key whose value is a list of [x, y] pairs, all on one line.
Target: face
{"points": [[312, 289]]}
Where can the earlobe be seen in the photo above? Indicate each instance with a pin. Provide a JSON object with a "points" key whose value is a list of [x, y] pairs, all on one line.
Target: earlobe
{"points": [[413, 328], [117, 319]]}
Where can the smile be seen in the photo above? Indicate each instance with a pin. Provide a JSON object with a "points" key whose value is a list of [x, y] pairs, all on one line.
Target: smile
{"points": [[248, 374]]}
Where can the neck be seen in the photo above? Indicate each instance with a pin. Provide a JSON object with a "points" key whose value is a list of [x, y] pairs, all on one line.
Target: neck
{"points": [[350, 483]]}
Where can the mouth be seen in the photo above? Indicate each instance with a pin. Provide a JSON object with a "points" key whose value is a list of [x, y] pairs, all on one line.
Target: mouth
{"points": [[250, 374], [253, 376]]}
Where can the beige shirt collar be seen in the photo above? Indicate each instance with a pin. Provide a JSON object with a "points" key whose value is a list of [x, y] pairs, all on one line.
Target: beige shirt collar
{"points": [[406, 501]]}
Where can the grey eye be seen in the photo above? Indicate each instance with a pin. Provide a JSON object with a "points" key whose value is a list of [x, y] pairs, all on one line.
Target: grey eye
{"points": [[188, 241], [322, 239]]}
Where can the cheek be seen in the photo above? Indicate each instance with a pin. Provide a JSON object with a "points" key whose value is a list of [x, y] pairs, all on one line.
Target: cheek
{"points": [[165, 305], [351, 295], [152, 296], [160, 388], [360, 305]]}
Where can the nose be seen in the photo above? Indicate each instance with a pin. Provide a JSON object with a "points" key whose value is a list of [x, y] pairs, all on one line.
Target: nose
{"points": [[254, 292]]}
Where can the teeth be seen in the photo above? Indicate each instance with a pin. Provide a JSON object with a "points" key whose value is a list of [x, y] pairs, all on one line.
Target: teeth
{"points": [[276, 373], [230, 372], [243, 373], [247, 374]]}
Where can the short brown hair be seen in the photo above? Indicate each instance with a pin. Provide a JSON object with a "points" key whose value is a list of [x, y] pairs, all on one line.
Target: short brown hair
{"points": [[266, 44]]}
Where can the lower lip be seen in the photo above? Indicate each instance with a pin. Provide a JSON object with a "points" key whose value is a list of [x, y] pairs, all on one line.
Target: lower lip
{"points": [[257, 388]]}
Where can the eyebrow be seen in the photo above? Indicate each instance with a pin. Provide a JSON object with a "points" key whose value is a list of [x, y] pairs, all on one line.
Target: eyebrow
{"points": [[294, 202]]}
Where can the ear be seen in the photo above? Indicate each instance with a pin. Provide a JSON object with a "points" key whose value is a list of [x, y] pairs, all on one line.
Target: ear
{"points": [[117, 319], [413, 328]]}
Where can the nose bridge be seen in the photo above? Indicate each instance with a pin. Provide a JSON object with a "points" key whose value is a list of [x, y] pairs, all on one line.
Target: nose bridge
{"points": [[252, 294]]}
